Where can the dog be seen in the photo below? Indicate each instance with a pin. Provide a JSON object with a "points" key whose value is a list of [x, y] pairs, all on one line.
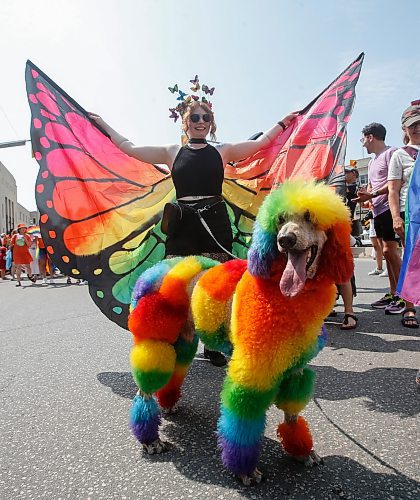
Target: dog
{"points": [[266, 312]]}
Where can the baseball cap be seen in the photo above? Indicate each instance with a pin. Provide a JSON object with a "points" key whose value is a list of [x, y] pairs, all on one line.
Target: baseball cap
{"points": [[411, 114]]}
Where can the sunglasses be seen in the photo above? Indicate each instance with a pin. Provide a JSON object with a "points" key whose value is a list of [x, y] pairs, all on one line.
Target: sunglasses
{"points": [[195, 117]]}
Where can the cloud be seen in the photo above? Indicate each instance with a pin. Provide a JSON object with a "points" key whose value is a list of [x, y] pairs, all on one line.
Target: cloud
{"points": [[387, 83]]}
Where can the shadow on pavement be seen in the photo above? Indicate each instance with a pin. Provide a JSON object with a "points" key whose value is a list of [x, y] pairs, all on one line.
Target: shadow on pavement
{"points": [[358, 341], [389, 390], [194, 452]]}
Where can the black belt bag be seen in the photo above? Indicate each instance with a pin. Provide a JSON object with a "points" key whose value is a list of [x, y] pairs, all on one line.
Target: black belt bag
{"points": [[172, 212], [172, 215]]}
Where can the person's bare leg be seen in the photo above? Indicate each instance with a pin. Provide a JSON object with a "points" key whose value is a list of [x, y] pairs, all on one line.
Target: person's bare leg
{"points": [[393, 263], [377, 245], [346, 292], [18, 273]]}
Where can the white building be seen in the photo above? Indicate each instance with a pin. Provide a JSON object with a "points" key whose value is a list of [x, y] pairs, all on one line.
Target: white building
{"points": [[11, 212]]}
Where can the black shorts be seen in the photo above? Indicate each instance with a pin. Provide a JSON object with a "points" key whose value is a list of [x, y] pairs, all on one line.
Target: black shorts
{"points": [[384, 227], [190, 236]]}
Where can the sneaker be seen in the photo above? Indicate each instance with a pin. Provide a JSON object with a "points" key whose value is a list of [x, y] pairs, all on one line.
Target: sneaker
{"points": [[384, 302], [216, 358], [375, 272], [397, 306], [384, 274], [45, 281]]}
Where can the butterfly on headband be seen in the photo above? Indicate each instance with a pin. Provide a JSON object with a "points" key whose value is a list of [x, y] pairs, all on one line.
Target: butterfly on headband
{"points": [[173, 89], [174, 114], [181, 96], [207, 90], [195, 81], [209, 104]]}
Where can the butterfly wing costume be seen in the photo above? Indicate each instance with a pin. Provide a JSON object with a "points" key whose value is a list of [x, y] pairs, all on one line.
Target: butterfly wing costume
{"points": [[100, 210]]}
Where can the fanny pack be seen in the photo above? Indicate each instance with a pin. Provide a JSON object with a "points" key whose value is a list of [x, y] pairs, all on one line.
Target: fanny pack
{"points": [[172, 215]]}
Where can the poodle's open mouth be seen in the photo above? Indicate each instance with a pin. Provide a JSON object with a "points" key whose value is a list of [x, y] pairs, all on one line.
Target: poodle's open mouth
{"points": [[295, 272]]}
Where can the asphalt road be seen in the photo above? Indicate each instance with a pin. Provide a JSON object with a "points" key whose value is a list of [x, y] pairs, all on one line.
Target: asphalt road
{"points": [[66, 391]]}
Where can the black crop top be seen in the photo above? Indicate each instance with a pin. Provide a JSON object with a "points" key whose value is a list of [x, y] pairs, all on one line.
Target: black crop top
{"points": [[198, 172]]}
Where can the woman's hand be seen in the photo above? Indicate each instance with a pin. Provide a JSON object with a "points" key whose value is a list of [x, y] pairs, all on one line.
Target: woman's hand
{"points": [[399, 228], [288, 119], [97, 119]]}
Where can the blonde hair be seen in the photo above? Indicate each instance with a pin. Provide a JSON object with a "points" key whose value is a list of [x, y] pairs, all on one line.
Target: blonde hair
{"points": [[190, 109]]}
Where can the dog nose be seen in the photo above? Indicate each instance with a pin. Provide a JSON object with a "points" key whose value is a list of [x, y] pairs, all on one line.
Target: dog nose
{"points": [[288, 240]]}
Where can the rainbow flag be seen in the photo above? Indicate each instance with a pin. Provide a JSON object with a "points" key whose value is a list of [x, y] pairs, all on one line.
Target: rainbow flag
{"points": [[409, 284], [34, 231]]}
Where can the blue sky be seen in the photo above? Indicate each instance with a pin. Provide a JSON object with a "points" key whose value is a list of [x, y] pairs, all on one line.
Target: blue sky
{"points": [[265, 58]]}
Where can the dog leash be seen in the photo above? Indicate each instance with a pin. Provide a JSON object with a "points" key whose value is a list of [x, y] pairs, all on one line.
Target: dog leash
{"points": [[206, 226]]}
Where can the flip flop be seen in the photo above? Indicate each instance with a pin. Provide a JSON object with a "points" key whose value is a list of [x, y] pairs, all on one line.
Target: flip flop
{"points": [[410, 321], [345, 325]]}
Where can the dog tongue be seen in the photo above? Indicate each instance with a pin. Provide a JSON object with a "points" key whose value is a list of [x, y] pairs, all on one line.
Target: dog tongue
{"points": [[294, 275]]}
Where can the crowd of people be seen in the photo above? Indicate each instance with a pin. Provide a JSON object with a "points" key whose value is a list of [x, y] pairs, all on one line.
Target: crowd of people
{"points": [[24, 253], [389, 173]]}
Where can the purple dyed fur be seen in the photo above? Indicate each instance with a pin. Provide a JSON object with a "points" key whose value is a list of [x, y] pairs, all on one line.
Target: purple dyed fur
{"points": [[239, 459], [146, 431], [141, 288]]}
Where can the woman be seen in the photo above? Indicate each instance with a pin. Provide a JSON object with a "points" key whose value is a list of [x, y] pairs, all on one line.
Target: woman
{"points": [[197, 170], [400, 169], [20, 244]]}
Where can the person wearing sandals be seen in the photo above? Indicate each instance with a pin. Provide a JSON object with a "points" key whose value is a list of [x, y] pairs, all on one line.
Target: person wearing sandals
{"points": [[197, 170], [400, 170], [21, 243], [348, 290]]}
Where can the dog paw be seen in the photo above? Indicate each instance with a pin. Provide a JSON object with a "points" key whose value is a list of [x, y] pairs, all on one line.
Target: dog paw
{"points": [[170, 411], [311, 460], [251, 479], [156, 447]]}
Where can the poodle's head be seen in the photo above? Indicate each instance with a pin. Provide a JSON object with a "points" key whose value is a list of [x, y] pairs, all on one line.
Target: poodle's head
{"points": [[306, 226]]}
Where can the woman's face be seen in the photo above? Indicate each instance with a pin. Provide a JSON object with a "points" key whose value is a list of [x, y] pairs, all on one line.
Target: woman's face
{"points": [[413, 133], [199, 123], [22, 230]]}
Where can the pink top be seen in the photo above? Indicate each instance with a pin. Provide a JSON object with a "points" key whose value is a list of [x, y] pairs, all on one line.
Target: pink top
{"points": [[378, 177]]}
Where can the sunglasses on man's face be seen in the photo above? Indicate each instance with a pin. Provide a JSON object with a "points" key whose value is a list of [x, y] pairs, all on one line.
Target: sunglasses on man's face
{"points": [[195, 117]]}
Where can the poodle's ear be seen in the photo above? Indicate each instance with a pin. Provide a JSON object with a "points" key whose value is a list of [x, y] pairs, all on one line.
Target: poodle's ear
{"points": [[263, 252], [337, 258]]}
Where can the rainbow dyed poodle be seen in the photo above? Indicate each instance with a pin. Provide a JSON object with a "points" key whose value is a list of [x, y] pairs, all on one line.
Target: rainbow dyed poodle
{"points": [[266, 312]]}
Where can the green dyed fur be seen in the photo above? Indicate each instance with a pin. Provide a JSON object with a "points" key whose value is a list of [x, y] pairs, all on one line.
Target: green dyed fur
{"points": [[152, 381], [217, 341], [297, 387], [185, 351], [246, 403]]}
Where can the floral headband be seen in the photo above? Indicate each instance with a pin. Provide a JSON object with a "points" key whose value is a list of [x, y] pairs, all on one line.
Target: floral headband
{"points": [[185, 98]]}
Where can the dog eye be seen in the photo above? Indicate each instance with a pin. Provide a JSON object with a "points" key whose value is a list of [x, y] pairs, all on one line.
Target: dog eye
{"points": [[307, 216]]}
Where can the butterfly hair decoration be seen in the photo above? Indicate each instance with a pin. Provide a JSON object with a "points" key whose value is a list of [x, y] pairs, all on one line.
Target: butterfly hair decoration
{"points": [[174, 114], [181, 96], [208, 90], [199, 93]]}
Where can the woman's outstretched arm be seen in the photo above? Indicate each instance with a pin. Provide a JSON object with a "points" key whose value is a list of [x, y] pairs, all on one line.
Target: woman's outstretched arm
{"points": [[149, 154], [241, 150]]}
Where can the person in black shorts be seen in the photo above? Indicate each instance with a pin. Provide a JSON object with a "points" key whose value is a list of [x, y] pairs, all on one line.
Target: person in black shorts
{"points": [[197, 170]]}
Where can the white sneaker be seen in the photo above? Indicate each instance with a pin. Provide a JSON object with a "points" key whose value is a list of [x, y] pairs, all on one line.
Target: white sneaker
{"points": [[384, 274], [375, 272], [45, 281]]}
